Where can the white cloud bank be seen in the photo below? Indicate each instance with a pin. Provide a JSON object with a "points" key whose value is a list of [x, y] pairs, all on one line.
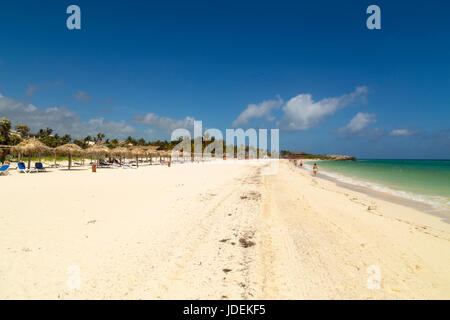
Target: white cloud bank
{"points": [[302, 112], [359, 123], [165, 124], [60, 119], [254, 111], [400, 132]]}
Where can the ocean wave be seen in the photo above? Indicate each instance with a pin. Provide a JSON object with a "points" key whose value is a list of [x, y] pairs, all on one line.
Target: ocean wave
{"points": [[436, 202]]}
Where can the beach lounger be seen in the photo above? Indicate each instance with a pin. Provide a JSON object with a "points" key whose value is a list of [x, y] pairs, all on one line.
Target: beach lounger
{"points": [[4, 169], [39, 166], [22, 168], [129, 166], [104, 164]]}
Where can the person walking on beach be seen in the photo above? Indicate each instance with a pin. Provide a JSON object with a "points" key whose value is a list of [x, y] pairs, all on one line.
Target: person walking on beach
{"points": [[315, 169], [301, 163]]}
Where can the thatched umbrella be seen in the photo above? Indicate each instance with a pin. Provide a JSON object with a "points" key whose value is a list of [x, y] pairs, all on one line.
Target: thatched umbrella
{"points": [[30, 147], [98, 151], [165, 154], [120, 152], [137, 151], [69, 149], [150, 151]]}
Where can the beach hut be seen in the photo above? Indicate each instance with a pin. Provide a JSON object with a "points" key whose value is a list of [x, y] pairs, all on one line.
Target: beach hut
{"points": [[30, 147], [98, 151], [70, 150]]}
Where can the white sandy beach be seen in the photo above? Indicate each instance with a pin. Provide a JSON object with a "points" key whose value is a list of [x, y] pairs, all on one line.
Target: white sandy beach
{"points": [[212, 231]]}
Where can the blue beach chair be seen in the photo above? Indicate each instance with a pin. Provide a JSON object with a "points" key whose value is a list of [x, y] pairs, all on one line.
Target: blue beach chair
{"points": [[39, 166], [104, 164], [21, 167], [4, 169]]}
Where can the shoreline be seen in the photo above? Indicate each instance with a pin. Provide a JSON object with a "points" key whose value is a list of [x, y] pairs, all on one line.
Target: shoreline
{"points": [[414, 204], [423, 206]]}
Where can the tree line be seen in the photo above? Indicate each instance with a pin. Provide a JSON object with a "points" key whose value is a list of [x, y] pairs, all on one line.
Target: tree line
{"points": [[52, 139]]}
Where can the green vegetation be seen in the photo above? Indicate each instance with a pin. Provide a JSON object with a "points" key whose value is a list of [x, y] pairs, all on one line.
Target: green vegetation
{"points": [[53, 140], [303, 155], [5, 127]]}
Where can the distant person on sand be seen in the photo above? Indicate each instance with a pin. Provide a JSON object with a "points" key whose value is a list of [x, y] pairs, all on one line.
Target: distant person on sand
{"points": [[301, 163], [315, 169]]}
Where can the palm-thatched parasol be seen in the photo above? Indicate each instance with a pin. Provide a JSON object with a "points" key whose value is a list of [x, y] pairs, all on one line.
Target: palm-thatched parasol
{"points": [[98, 151], [30, 147], [137, 151], [165, 154], [176, 153], [69, 149], [150, 152], [120, 152]]}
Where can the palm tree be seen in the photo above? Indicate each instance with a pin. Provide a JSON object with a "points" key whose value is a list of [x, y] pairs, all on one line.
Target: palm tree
{"points": [[100, 137], [65, 139], [5, 127], [23, 130], [131, 140]]}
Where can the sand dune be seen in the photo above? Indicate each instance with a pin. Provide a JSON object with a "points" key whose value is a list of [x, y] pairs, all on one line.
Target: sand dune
{"points": [[212, 231]]}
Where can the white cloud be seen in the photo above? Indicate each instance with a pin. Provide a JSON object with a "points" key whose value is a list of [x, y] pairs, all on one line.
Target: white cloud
{"points": [[30, 108], [302, 112], [61, 119], [31, 89], [255, 111], [102, 125], [400, 132], [359, 122], [83, 96], [165, 124]]}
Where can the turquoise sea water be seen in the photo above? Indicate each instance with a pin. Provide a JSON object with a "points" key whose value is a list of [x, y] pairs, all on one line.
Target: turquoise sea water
{"points": [[426, 181]]}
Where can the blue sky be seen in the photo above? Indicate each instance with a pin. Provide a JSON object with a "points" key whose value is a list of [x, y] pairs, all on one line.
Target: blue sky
{"points": [[310, 68]]}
